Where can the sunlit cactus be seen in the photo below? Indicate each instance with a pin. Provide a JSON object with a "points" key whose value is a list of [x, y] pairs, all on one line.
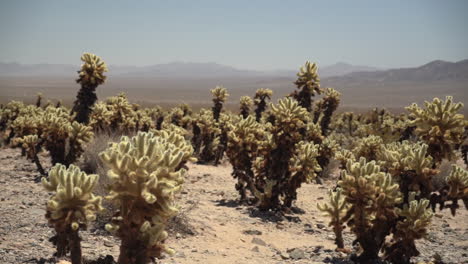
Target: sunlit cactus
{"points": [[245, 104], [220, 96], [90, 76], [325, 108], [368, 147], [440, 125], [336, 210], [260, 101], [243, 144], [416, 220], [145, 173], [372, 197], [308, 84], [71, 207], [32, 145]]}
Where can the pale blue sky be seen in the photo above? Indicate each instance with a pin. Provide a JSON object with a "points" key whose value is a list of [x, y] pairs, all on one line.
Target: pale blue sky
{"points": [[260, 35]]}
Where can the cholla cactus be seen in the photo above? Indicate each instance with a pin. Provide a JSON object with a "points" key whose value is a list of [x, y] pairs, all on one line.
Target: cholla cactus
{"points": [[245, 103], [71, 207], [205, 138], [274, 166], [219, 97], [440, 125], [368, 147], [225, 123], [243, 144], [304, 168], [417, 218], [372, 197], [79, 135], [32, 145], [336, 210], [145, 175], [260, 100], [9, 114], [372, 210], [90, 77], [325, 108], [457, 183], [411, 165], [308, 83], [387, 126]]}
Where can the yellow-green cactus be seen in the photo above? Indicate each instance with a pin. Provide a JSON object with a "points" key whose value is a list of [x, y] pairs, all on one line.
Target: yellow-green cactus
{"points": [[260, 101], [336, 210], [372, 197], [92, 70], [243, 144], [145, 174], [32, 145], [220, 96], [411, 165], [308, 83], [90, 76], [440, 125], [245, 103], [416, 220], [325, 108], [368, 147], [457, 182], [304, 168], [71, 207]]}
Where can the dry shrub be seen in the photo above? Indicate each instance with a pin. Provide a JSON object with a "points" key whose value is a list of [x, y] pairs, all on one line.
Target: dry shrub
{"points": [[180, 224]]}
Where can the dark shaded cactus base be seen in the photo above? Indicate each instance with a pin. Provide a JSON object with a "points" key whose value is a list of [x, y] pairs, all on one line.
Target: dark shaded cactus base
{"points": [[84, 102]]}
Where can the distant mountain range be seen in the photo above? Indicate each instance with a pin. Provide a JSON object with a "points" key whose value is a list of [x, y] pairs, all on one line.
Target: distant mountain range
{"points": [[171, 83], [437, 70], [171, 70]]}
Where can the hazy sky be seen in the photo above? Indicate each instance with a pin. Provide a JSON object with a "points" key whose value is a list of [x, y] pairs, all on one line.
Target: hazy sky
{"points": [[245, 34]]}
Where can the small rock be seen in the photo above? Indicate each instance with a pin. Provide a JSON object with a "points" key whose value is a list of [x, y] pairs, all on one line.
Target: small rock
{"points": [[178, 236], [22, 207], [320, 226], [252, 232], [108, 244], [194, 250], [284, 255], [297, 253], [255, 249], [258, 241]]}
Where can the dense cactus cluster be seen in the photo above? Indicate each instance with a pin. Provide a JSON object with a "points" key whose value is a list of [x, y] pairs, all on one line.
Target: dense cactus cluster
{"points": [[389, 183], [440, 125]]}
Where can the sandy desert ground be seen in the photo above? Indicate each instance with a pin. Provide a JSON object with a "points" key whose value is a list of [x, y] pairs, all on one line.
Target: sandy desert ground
{"points": [[212, 227]]}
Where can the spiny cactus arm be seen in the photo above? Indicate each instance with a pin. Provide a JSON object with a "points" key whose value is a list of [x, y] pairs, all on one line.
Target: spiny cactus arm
{"points": [[440, 125], [336, 210], [308, 78], [219, 93], [145, 174], [92, 70], [71, 207], [416, 219], [458, 186], [32, 144]]}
